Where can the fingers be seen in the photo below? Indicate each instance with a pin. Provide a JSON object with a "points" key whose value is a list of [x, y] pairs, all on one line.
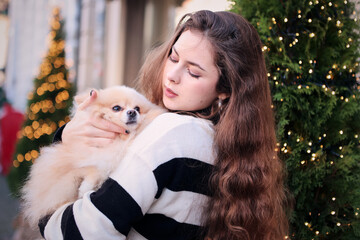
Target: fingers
{"points": [[99, 142], [102, 124], [108, 126], [92, 132], [88, 101], [90, 129], [98, 122]]}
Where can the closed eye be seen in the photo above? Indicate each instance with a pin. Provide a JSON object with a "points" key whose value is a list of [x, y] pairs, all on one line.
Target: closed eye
{"points": [[117, 108], [173, 59], [192, 74]]}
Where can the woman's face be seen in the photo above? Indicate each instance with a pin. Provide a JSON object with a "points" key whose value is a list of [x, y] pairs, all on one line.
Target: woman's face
{"points": [[190, 75]]}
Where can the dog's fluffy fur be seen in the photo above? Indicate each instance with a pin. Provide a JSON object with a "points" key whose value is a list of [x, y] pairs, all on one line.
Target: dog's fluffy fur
{"points": [[63, 173]]}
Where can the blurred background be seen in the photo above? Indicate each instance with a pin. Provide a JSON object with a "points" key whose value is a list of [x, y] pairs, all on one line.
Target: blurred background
{"points": [[106, 41]]}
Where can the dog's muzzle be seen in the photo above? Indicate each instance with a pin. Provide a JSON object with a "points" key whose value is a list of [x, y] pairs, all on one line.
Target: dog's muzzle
{"points": [[132, 116]]}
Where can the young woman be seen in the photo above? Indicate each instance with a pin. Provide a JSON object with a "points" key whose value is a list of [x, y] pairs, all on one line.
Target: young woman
{"points": [[208, 168]]}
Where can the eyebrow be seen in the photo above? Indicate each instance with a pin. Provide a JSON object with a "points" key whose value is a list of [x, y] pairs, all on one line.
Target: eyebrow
{"points": [[189, 62]]}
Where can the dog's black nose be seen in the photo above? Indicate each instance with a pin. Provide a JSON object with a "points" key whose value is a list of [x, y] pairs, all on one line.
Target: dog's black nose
{"points": [[131, 113]]}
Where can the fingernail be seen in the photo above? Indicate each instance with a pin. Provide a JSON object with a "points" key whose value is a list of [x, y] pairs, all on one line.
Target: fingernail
{"points": [[127, 131], [91, 92]]}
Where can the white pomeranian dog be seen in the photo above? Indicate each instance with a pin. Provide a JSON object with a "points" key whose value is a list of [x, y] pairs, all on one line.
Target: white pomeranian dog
{"points": [[64, 172]]}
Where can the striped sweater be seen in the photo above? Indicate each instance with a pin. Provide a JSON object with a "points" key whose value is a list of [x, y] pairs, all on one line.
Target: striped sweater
{"points": [[158, 191]]}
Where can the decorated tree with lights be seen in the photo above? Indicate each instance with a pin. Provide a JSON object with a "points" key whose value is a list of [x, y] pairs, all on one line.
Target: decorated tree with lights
{"points": [[312, 51], [48, 106]]}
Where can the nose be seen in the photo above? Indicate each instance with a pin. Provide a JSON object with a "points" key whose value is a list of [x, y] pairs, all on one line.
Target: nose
{"points": [[173, 74], [131, 113]]}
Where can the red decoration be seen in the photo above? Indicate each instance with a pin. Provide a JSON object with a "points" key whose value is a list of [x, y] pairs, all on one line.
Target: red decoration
{"points": [[10, 123]]}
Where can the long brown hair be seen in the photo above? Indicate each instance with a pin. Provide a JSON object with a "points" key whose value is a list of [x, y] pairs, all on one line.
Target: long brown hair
{"points": [[247, 183]]}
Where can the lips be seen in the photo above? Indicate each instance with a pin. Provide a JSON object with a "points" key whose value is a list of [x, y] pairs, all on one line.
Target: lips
{"points": [[170, 93]]}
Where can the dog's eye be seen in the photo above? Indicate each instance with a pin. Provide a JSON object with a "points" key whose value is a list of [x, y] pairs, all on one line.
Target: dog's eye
{"points": [[137, 109], [116, 108]]}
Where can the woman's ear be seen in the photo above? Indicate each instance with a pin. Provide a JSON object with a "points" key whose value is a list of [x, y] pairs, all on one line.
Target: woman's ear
{"points": [[223, 96]]}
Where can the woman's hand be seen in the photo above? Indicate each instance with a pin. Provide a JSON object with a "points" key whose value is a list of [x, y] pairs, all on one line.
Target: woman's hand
{"points": [[92, 131]]}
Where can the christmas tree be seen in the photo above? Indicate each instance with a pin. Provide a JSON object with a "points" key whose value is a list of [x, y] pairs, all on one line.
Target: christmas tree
{"points": [[48, 106], [312, 51]]}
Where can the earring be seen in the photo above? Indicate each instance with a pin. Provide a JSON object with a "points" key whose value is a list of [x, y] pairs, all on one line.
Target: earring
{"points": [[220, 103]]}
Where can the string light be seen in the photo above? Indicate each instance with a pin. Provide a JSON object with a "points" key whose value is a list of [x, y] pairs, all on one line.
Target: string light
{"points": [[317, 148]]}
